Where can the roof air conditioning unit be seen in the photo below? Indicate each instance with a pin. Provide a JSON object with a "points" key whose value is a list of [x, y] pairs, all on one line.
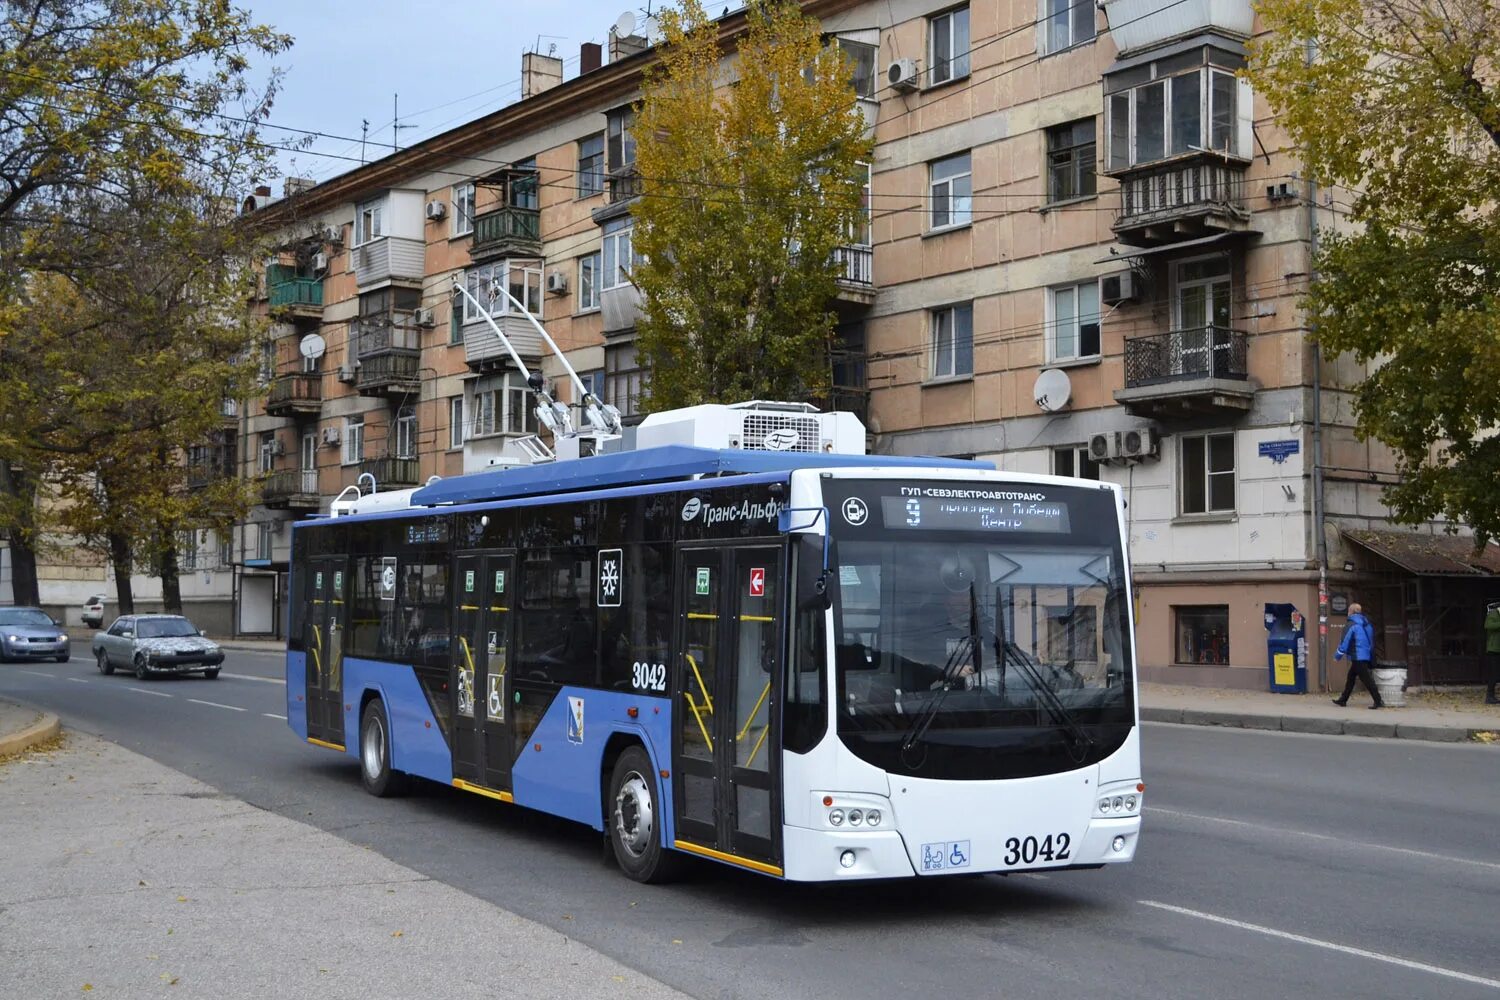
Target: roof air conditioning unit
{"points": [[346, 374], [436, 210], [901, 74], [1139, 442], [1103, 447], [425, 317], [557, 282], [755, 426], [331, 434], [1117, 288], [320, 261]]}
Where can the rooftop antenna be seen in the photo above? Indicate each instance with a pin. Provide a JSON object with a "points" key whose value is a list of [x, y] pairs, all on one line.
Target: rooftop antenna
{"points": [[364, 132], [396, 125]]}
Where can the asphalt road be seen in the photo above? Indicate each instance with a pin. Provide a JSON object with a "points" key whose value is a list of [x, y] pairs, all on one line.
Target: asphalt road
{"points": [[1272, 865]]}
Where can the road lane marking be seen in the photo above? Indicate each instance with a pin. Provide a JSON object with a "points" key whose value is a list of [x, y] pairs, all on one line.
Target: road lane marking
{"points": [[1405, 963], [263, 680], [38, 673], [214, 704], [158, 694], [1341, 841], [273, 715], [79, 680]]}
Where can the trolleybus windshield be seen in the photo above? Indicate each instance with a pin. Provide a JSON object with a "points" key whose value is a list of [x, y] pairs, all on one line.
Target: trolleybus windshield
{"points": [[979, 633]]}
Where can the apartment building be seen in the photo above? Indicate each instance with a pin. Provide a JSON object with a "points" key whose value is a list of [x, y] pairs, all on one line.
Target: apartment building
{"points": [[1085, 243]]}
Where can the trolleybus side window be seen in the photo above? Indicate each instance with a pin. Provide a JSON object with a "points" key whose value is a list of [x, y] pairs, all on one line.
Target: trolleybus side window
{"points": [[557, 640], [804, 717], [633, 638]]}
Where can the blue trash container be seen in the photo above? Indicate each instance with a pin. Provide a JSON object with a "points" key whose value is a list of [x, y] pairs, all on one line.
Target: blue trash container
{"points": [[1286, 649]]}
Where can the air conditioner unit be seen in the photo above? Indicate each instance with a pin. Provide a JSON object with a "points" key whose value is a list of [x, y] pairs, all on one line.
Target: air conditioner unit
{"points": [[1117, 288], [557, 282], [1139, 442], [332, 234], [436, 210], [320, 261], [757, 425], [278, 448], [425, 317], [1103, 447], [331, 434], [346, 374], [902, 74]]}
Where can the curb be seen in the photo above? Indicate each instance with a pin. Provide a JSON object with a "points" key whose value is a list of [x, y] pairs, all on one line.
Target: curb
{"points": [[1313, 724], [43, 729]]}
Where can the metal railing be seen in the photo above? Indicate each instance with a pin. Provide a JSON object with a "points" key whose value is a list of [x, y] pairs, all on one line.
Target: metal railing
{"points": [[285, 483], [856, 264], [623, 183], [1195, 353], [289, 390], [297, 292], [507, 225], [1180, 187], [202, 473], [387, 369], [390, 472]]}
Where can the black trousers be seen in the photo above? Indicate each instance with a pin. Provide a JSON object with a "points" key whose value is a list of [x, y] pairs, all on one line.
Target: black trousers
{"points": [[1494, 677], [1360, 670]]}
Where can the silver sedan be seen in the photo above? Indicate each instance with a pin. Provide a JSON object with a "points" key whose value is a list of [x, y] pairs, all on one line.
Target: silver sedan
{"points": [[156, 644]]}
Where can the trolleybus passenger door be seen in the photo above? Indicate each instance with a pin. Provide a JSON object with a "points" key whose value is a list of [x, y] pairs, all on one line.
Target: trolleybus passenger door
{"points": [[483, 586], [727, 791], [327, 616]]}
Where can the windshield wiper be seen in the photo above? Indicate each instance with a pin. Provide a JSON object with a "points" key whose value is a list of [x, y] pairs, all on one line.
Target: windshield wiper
{"points": [[969, 649], [1081, 741]]}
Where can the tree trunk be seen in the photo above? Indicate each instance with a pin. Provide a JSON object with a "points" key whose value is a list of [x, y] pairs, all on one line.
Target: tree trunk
{"points": [[119, 558], [25, 590], [171, 587]]}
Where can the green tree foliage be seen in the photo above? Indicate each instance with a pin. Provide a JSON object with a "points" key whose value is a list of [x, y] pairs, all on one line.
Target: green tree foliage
{"points": [[748, 189], [1399, 102]]}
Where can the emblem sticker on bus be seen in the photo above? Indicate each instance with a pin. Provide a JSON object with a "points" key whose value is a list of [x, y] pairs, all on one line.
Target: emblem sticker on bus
{"points": [[691, 508]]}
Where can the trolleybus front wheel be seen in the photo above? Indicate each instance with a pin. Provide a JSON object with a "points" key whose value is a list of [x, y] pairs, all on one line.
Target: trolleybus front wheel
{"points": [[375, 754], [634, 817]]}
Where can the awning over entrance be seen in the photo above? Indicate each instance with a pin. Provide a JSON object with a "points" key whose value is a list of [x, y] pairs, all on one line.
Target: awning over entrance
{"points": [[1428, 555]]}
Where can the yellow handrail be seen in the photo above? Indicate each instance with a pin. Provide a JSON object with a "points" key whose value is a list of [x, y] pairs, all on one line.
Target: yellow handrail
{"points": [[708, 740], [708, 701], [751, 717], [756, 749]]}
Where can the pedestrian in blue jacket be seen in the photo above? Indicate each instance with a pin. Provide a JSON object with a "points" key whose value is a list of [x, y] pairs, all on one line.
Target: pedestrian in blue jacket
{"points": [[1359, 645]]}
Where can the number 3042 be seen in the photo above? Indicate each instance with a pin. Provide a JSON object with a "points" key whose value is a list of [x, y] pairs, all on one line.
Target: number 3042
{"points": [[648, 676], [1028, 850]]}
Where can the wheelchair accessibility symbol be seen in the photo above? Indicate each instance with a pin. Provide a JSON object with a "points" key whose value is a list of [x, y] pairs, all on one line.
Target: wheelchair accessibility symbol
{"points": [[958, 854], [944, 855]]}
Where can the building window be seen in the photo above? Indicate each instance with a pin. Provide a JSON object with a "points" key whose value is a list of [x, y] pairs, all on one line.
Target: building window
{"points": [[523, 185], [463, 209], [623, 378], [523, 279], [588, 281], [861, 59], [859, 226], [948, 55], [950, 187], [368, 222], [1074, 462], [1070, 160], [1074, 330], [591, 166], [1068, 23], [502, 405], [953, 341], [618, 254], [457, 433], [267, 451], [187, 550], [267, 361], [354, 440], [1072, 633], [592, 382], [406, 432], [620, 144], [1202, 634], [455, 323], [264, 531], [1167, 118], [1208, 473], [226, 551]]}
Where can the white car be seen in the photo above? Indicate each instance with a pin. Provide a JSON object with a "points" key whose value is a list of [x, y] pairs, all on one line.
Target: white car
{"points": [[93, 611]]}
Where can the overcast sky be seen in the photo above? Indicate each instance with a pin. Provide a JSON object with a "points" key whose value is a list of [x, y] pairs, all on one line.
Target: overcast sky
{"points": [[449, 60]]}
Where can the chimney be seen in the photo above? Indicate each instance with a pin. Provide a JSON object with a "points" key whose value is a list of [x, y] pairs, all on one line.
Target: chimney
{"points": [[539, 73], [263, 191], [590, 57], [629, 45], [295, 185]]}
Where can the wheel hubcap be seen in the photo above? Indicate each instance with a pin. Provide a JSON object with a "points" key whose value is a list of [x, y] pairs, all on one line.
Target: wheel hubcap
{"points": [[373, 751], [634, 817]]}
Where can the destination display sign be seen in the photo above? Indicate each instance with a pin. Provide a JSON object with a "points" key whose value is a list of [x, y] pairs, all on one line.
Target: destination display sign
{"points": [[950, 513]]}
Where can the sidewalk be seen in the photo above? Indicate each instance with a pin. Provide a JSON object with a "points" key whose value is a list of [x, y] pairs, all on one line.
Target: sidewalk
{"points": [[123, 878], [1438, 716]]}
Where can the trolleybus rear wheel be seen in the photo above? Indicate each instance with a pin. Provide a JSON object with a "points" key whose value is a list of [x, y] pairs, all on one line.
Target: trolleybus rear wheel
{"points": [[634, 817], [375, 771]]}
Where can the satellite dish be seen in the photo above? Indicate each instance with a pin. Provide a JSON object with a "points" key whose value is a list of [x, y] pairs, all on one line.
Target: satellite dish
{"points": [[651, 28], [624, 24], [1052, 390], [312, 346]]}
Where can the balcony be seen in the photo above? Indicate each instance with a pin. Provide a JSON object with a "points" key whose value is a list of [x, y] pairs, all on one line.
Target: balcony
{"points": [[483, 351], [391, 473], [291, 489], [1182, 200], [389, 259], [296, 395], [856, 277], [507, 231], [1194, 372], [622, 184], [297, 297], [388, 375], [204, 473]]}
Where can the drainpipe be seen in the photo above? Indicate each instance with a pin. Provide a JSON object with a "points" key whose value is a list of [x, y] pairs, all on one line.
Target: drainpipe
{"points": [[1317, 417]]}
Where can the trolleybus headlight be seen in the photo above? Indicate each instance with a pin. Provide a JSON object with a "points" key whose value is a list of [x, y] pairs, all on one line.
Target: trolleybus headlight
{"points": [[836, 817], [872, 817], [1104, 805], [1117, 804], [1118, 844], [846, 860], [1130, 803], [856, 817]]}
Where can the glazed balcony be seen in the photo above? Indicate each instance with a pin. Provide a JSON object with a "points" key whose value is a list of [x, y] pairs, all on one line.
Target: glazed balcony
{"points": [[1193, 372], [391, 473], [507, 231], [388, 259], [291, 489], [299, 394]]}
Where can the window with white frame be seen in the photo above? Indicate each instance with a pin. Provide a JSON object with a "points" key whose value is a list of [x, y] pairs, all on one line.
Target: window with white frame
{"points": [[619, 143], [1070, 160], [226, 551], [1068, 23], [265, 532], [591, 165], [948, 48], [618, 253], [502, 406], [354, 440], [463, 209], [187, 550], [859, 226], [861, 58], [588, 281], [523, 279], [457, 432], [1173, 116], [406, 432], [369, 222], [1207, 473], [952, 341], [950, 190], [1074, 462], [624, 378], [1074, 330], [267, 451], [267, 361]]}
